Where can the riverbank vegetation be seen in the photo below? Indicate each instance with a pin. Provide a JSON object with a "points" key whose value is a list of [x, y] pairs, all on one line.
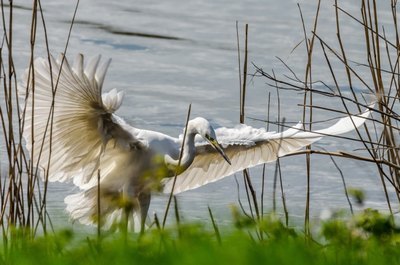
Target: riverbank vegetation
{"points": [[367, 238]]}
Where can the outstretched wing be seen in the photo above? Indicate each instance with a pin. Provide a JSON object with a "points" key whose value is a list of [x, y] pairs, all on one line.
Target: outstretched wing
{"points": [[70, 130], [247, 147]]}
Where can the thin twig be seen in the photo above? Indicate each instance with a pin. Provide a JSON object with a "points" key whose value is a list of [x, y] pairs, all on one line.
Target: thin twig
{"points": [[177, 169]]}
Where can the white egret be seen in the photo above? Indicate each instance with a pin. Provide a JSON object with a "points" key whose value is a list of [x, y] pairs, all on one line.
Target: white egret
{"points": [[85, 142]]}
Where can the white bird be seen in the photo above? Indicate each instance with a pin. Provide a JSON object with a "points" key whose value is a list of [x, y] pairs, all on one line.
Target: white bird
{"points": [[72, 134]]}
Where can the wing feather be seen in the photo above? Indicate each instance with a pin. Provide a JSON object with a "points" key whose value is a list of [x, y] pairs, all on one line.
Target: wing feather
{"points": [[69, 132], [247, 147]]}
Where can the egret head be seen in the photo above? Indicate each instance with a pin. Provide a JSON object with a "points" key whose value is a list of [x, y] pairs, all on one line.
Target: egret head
{"points": [[204, 128]]}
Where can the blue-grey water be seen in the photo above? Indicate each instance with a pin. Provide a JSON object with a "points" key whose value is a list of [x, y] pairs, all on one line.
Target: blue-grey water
{"points": [[169, 54]]}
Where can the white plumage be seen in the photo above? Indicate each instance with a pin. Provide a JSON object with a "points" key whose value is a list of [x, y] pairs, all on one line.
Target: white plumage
{"points": [[72, 134]]}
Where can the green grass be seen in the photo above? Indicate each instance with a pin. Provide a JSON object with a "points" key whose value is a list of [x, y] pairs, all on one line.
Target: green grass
{"points": [[368, 238]]}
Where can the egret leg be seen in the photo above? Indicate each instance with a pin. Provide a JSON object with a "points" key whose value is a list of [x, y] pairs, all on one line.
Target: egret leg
{"points": [[144, 203]]}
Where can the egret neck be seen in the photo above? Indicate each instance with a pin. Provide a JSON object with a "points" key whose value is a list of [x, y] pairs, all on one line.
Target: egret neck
{"points": [[188, 152]]}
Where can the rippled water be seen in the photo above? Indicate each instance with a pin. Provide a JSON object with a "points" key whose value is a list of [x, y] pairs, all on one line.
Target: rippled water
{"points": [[168, 54]]}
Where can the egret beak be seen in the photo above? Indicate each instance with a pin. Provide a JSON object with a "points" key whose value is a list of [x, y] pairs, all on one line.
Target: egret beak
{"points": [[218, 147]]}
